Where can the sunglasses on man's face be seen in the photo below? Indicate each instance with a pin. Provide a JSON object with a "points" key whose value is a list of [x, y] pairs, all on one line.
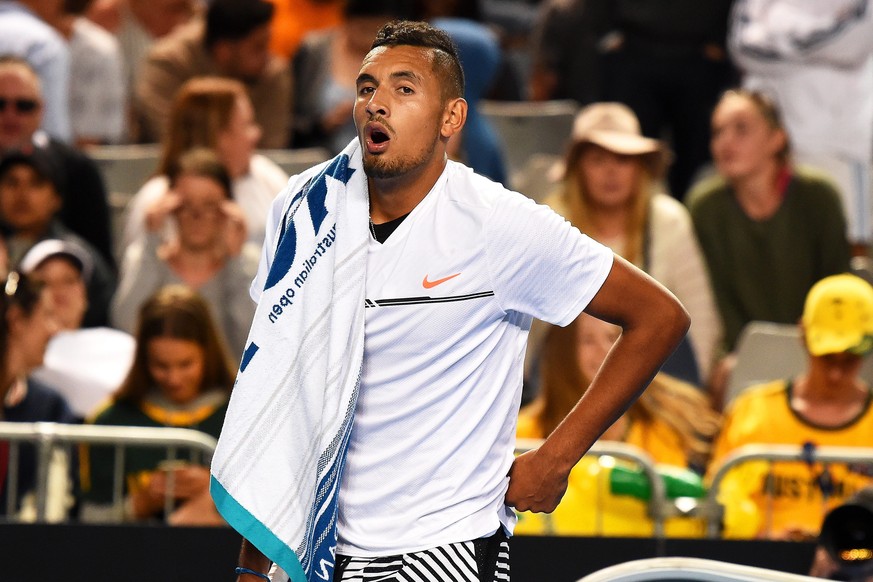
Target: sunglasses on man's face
{"points": [[20, 105]]}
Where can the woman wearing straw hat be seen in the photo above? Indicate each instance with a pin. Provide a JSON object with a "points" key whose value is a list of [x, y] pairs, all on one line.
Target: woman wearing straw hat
{"points": [[609, 191]]}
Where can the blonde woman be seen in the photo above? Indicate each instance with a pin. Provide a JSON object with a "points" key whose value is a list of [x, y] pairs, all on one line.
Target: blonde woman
{"points": [[214, 113], [609, 191], [672, 420]]}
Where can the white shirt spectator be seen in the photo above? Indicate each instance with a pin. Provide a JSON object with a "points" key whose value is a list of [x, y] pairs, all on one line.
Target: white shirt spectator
{"points": [[97, 90], [815, 59]]}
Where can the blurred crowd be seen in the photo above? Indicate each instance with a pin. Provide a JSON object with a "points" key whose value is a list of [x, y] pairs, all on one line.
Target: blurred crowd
{"points": [[724, 147]]}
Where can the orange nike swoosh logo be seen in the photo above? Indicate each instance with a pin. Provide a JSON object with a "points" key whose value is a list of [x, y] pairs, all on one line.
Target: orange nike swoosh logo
{"points": [[430, 284]]}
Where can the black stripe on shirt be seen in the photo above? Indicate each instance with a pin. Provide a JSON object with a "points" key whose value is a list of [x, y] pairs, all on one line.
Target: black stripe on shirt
{"points": [[421, 300]]}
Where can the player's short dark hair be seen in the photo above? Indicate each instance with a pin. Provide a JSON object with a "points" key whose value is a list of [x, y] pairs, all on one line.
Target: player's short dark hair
{"points": [[235, 19], [421, 34]]}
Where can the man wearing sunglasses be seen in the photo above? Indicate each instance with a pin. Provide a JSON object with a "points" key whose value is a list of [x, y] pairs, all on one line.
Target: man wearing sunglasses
{"points": [[21, 109], [85, 208], [25, 32]]}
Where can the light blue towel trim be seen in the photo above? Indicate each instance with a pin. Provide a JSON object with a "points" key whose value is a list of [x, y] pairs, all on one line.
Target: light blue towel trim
{"points": [[256, 532]]}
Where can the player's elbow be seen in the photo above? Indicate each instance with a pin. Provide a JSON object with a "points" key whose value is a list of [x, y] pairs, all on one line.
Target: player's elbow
{"points": [[659, 320], [674, 320]]}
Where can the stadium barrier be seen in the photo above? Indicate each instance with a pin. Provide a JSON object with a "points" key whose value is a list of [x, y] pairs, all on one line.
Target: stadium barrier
{"points": [[770, 454], [697, 569], [49, 438]]}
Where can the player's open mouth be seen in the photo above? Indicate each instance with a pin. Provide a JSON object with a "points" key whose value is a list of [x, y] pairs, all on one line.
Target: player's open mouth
{"points": [[377, 138]]}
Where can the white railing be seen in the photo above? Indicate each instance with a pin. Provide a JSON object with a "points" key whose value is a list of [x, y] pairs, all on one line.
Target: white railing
{"points": [[689, 569], [659, 507], [49, 437], [772, 454]]}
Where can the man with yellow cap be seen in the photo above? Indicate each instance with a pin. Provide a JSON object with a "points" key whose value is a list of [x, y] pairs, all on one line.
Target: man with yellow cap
{"points": [[827, 405]]}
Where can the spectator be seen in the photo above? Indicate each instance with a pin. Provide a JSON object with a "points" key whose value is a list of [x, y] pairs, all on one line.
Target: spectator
{"points": [[25, 33], [845, 542], [478, 144], [231, 42], [85, 208], [666, 60], [84, 365], [207, 253], [29, 210], [671, 422], [609, 191], [138, 24], [325, 68], [26, 324], [181, 377], [815, 59], [499, 30], [215, 113], [565, 60], [97, 86], [768, 230], [827, 405]]}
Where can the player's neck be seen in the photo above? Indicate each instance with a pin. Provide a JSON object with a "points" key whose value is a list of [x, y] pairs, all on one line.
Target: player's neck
{"points": [[391, 198]]}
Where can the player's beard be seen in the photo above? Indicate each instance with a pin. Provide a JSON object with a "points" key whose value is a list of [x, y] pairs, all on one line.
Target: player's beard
{"points": [[383, 168]]}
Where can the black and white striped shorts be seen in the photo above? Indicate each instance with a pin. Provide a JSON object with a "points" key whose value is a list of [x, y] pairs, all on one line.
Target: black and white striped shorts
{"points": [[482, 560]]}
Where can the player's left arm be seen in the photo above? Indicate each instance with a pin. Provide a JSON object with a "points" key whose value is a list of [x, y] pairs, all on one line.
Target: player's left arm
{"points": [[653, 323]]}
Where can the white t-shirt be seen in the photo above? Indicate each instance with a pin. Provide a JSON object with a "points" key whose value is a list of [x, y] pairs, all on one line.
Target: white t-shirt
{"points": [[450, 296]]}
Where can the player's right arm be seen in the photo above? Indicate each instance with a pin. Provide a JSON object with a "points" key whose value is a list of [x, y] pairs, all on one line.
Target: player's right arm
{"points": [[251, 557], [653, 323]]}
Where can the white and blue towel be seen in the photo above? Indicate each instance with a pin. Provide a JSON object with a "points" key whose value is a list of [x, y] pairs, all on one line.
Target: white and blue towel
{"points": [[277, 469]]}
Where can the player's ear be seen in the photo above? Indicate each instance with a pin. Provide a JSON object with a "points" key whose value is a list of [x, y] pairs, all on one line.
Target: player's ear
{"points": [[454, 117]]}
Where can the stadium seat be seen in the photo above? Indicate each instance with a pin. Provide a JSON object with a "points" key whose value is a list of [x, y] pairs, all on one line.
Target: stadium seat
{"points": [[530, 127], [125, 168], [770, 351], [294, 161]]}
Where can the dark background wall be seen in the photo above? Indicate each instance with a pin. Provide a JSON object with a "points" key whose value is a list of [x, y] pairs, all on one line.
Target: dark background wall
{"points": [[73, 553]]}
